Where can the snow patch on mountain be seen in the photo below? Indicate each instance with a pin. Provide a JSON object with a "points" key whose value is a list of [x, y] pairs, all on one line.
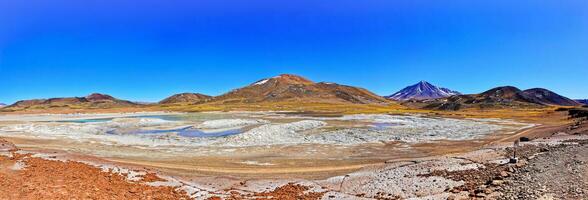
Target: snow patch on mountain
{"points": [[261, 82]]}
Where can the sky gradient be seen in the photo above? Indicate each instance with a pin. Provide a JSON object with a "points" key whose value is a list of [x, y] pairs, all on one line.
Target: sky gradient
{"points": [[147, 50]]}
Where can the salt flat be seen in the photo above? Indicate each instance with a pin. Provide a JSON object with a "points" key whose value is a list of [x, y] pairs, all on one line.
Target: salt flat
{"points": [[237, 142]]}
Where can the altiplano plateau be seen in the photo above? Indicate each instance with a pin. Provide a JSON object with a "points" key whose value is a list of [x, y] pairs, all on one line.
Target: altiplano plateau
{"points": [[293, 100]]}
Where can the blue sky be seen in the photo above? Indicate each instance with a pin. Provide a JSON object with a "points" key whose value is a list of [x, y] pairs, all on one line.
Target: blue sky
{"points": [[147, 50]]}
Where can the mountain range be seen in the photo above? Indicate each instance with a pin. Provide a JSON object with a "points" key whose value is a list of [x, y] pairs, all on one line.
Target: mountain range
{"points": [[2, 105], [420, 91], [583, 101], [500, 97], [95, 100], [293, 88]]}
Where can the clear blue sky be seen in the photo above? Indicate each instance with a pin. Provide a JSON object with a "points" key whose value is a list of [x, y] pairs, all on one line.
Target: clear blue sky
{"points": [[147, 50]]}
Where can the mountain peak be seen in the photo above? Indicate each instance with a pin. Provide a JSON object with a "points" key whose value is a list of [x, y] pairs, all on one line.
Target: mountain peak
{"points": [[506, 92], [289, 79], [422, 90], [98, 97], [186, 98], [289, 87], [547, 97]]}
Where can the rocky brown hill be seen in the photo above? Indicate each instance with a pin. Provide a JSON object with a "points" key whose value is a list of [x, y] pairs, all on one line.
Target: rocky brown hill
{"points": [[546, 97], [499, 97], [287, 87], [186, 98], [504, 93], [95, 100]]}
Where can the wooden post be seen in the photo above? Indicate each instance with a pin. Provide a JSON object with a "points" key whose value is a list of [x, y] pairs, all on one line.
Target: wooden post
{"points": [[516, 145], [514, 155], [342, 181]]}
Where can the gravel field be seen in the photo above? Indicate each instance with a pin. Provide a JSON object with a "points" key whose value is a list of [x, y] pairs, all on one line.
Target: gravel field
{"points": [[559, 172]]}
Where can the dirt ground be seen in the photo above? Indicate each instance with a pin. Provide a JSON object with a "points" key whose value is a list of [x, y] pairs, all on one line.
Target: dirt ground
{"points": [[23, 176], [552, 166], [26, 177], [558, 172], [547, 172]]}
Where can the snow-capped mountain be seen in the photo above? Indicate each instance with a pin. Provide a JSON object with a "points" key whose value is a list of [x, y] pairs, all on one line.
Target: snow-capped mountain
{"points": [[420, 91]]}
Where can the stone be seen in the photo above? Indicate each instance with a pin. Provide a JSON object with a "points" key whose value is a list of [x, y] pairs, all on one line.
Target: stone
{"points": [[511, 169], [497, 182], [504, 174], [521, 163], [488, 190]]}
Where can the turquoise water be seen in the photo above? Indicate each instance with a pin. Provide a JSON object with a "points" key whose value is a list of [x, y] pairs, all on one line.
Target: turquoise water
{"points": [[382, 126], [85, 120], [163, 117], [181, 117], [198, 133], [190, 132]]}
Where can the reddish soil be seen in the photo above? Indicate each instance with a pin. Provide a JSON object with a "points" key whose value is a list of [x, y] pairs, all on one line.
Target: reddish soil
{"points": [[47, 179], [290, 191]]}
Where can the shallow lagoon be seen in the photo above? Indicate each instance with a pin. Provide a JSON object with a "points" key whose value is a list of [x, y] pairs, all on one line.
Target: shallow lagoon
{"points": [[232, 142], [259, 129]]}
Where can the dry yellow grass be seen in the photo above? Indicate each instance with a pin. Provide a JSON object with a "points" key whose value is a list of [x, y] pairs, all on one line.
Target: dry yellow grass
{"points": [[324, 108], [318, 108], [293, 106]]}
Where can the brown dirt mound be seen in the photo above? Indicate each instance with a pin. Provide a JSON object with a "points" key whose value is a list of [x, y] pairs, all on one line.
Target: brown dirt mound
{"points": [[47, 179], [291, 191]]}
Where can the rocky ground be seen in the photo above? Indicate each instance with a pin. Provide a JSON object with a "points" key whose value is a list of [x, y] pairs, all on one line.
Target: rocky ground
{"points": [[545, 170], [542, 171], [23, 176], [551, 167], [26, 176], [559, 172], [554, 167]]}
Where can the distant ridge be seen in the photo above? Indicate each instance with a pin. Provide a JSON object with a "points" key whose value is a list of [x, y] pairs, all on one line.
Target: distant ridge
{"points": [[500, 97], [289, 87], [2, 105], [582, 101], [186, 98], [421, 91], [546, 97], [95, 100]]}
